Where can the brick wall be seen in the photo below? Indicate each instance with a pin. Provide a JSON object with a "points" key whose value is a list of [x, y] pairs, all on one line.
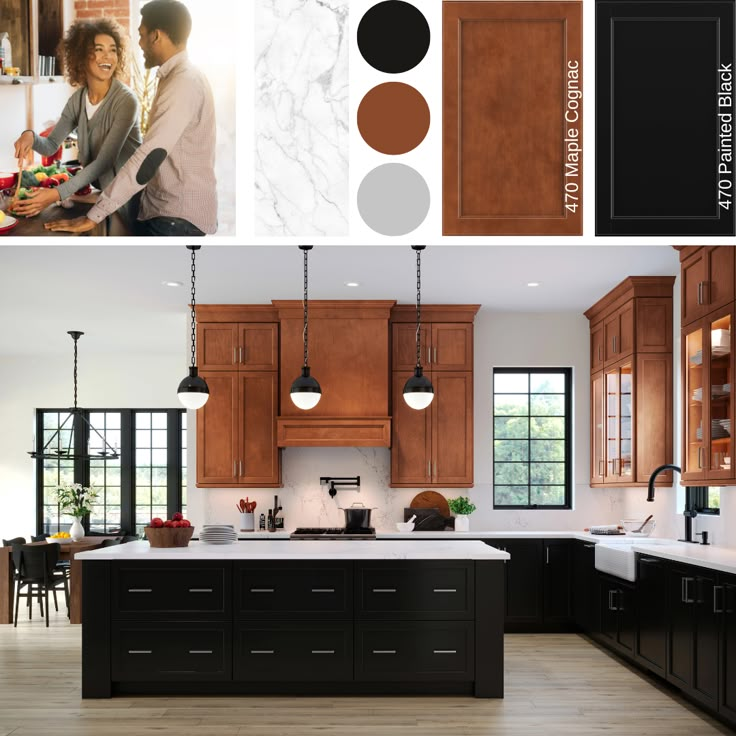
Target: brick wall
{"points": [[117, 9]]}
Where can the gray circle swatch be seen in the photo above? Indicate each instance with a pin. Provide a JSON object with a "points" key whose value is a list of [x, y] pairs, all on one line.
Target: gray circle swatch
{"points": [[393, 199]]}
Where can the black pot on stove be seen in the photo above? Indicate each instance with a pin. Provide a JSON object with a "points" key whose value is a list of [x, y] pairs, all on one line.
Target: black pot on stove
{"points": [[357, 517]]}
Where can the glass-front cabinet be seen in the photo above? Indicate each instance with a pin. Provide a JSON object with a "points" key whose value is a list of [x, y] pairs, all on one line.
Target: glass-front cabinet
{"points": [[598, 434], [618, 405], [708, 399]]}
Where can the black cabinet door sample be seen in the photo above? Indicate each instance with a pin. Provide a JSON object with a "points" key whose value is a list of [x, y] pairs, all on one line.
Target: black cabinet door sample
{"points": [[664, 117]]}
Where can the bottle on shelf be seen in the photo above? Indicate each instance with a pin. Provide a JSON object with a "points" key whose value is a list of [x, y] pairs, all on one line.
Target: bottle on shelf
{"points": [[262, 523], [271, 527]]}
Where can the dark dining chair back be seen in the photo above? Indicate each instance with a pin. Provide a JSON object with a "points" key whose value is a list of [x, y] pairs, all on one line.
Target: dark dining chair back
{"points": [[110, 543], [39, 538], [35, 567], [14, 540], [128, 538]]}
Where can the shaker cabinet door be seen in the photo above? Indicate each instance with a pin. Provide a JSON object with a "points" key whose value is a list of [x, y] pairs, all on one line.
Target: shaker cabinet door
{"points": [[512, 116], [664, 109]]}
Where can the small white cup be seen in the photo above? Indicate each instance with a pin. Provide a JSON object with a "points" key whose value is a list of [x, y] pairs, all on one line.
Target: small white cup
{"points": [[247, 522]]}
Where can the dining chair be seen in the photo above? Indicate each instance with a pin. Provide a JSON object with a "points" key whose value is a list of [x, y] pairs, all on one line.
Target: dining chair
{"points": [[14, 540], [110, 543], [39, 538], [36, 572]]}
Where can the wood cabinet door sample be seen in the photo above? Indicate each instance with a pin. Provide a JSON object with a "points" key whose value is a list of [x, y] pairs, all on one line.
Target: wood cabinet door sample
{"points": [[664, 117], [218, 431], [512, 108], [259, 407]]}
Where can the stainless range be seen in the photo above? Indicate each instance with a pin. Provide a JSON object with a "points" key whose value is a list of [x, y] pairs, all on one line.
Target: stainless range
{"points": [[332, 533]]}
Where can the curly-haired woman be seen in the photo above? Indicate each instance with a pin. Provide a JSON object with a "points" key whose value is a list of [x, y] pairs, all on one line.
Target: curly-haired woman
{"points": [[103, 110]]}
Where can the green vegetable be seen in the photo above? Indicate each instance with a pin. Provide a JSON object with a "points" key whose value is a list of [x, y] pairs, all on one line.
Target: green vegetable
{"points": [[461, 505], [28, 179]]}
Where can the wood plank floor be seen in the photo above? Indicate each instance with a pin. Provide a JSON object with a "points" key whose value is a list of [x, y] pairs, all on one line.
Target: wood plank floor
{"points": [[556, 685]]}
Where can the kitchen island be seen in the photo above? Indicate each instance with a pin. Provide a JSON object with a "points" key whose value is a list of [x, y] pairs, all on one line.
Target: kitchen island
{"points": [[300, 617]]}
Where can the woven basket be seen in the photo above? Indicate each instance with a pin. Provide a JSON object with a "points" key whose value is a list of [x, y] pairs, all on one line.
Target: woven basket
{"points": [[168, 537]]}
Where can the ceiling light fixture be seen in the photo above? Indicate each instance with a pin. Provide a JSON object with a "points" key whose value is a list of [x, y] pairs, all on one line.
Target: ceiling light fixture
{"points": [[53, 449], [305, 391], [418, 390], [172, 284], [352, 283], [193, 391], [533, 283]]}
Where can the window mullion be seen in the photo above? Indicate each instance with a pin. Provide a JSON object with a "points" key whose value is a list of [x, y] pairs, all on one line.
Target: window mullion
{"points": [[127, 471]]}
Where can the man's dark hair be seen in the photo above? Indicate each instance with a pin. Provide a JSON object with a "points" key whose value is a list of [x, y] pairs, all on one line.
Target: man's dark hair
{"points": [[169, 16]]}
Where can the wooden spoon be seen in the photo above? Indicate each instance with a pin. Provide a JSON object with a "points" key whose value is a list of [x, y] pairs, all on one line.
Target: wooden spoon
{"points": [[646, 521]]}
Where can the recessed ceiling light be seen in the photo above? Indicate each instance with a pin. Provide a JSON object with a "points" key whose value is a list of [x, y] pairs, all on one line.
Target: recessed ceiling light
{"points": [[533, 283], [173, 284], [352, 283]]}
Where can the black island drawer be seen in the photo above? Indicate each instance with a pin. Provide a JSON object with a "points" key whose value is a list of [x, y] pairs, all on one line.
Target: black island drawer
{"points": [[419, 650], [416, 590], [295, 652], [171, 652], [170, 590], [287, 590]]}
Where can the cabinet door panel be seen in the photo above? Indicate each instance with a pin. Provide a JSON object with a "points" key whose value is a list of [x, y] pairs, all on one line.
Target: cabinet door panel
{"points": [[404, 346], [217, 346], [695, 388], [597, 415], [727, 696], [680, 640], [596, 347], [654, 325], [626, 603], [452, 429], [260, 347], [523, 580], [653, 428], [693, 275], [642, 187], [512, 72], [651, 647], [584, 595], [258, 411], [557, 574], [719, 289], [217, 431], [452, 347], [609, 614], [706, 624], [410, 439]]}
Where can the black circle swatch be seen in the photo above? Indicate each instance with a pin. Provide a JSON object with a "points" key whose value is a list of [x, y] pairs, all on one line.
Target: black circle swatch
{"points": [[393, 36]]}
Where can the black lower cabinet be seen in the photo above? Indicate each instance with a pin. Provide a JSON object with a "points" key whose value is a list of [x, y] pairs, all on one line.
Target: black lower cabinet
{"points": [[557, 607], [680, 635], [651, 642], [618, 613], [585, 608], [293, 652], [725, 603]]}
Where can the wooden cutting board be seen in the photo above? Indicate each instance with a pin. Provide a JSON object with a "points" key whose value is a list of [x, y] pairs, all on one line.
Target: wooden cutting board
{"points": [[430, 500]]}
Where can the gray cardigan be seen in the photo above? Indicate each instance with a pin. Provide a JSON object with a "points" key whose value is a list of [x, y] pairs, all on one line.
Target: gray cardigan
{"points": [[105, 143]]}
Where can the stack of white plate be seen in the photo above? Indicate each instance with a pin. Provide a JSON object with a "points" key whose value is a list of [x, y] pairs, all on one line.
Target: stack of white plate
{"points": [[218, 534]]}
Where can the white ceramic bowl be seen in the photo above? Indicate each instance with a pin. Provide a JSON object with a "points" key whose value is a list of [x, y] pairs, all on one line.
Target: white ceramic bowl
{"points": [[59, 540], [631, 525], [405, 526]]}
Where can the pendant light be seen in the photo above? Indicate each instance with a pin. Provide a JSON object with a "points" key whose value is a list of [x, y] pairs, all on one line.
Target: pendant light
{"points": [[53, 449], [418, 390], [193, 390], [305, 391]]}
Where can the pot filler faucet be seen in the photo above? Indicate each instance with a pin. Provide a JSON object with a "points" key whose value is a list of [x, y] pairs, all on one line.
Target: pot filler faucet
{"points": [[690, 511], [334, 482]]}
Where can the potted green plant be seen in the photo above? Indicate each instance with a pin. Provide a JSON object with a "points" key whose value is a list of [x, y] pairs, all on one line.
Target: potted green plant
{"points": [[461, 508], [77, 501]]}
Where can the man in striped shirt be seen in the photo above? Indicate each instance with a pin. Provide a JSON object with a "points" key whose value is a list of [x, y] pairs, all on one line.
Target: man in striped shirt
{"points": [[175, 165]]}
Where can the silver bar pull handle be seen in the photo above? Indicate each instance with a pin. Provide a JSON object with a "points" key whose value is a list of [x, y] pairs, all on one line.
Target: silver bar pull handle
{"points": [[235, 354], [241, 467], [383, 590], [235, 468], [262, 590], [323, 590], [241, 354], [444, 590], [614, 344], [429, 468], [435, 470], [444, 651], [648, 559], [140, 590], [716, 607], [262, 651], [588, 546], [200, 651], [700, 292], [384, 651], [686, 590], [435, 355], [140, 651], [546, 555], [429, 355], [200, 590], [323, 651]]}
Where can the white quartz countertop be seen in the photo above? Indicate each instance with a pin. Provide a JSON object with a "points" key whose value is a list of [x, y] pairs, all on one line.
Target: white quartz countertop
{"points": [[328, 549], [710, 556]]}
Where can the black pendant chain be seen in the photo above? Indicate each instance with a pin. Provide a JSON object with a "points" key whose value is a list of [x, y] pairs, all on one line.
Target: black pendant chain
{"points": [[194, 249], [305, 302], [75, 372], [419, 249]]}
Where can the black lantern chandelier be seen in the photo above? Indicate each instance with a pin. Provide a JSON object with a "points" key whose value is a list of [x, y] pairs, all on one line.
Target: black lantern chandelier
{"points": [[418, 390], [305, 391], [53, 448], [193, 391]]}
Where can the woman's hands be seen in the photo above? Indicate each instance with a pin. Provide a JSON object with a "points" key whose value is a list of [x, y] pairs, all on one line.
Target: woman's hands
{"points": [[77, 225], [23, 146], [36, 201]]}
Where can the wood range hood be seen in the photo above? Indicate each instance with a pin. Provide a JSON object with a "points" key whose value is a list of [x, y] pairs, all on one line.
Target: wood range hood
{"points": [[349, 356]]}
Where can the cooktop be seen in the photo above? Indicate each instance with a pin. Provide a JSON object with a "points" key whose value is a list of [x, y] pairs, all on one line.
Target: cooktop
{"points": [[321, 532]]}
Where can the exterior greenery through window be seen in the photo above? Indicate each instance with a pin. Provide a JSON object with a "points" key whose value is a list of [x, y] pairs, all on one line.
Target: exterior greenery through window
{"points": [[148, 479], [532, 438]]}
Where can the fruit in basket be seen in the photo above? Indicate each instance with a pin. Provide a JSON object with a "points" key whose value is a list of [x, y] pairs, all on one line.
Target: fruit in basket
{"points": [[177, 516], [177, 521], [60, 535], [156, 522]]}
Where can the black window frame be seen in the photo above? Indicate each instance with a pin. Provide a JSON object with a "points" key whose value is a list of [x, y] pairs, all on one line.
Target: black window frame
{"points": [[567, 373], [127, 461]]}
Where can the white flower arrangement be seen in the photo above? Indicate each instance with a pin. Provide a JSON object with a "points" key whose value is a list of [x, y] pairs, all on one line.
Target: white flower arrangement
{"points": [[76, 500]]}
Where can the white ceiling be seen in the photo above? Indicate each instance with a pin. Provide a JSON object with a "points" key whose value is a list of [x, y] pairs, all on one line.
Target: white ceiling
{"points": [[114, 293]]}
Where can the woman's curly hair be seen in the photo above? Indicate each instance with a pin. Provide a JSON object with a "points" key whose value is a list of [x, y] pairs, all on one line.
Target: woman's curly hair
{"points": [[79, 43]]}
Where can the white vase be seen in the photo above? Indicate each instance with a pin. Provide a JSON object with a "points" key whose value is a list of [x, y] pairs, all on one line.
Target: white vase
{"points": [[462, 523], [247, 522], [77, 530]]}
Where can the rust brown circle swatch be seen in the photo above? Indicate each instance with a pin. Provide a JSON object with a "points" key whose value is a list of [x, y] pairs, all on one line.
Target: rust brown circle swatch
{"points": [[393, 118]]}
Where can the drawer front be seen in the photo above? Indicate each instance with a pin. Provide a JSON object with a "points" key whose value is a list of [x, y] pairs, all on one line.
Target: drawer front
{"points": [[171, 651], [294, 651], [420, 650], [433, 590], [163, 592], [277, 590]]}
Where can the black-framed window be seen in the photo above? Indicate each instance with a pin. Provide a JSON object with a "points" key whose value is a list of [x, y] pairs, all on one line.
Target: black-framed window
{"points": [[148, 479], [532, 438], [707, 500]]}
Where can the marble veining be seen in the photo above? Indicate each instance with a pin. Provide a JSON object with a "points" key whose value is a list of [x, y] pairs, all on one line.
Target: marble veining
{"points": [[301, 118]]}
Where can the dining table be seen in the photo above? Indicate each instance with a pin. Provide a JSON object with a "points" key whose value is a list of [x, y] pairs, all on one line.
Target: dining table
{"points": [[67, 551]]}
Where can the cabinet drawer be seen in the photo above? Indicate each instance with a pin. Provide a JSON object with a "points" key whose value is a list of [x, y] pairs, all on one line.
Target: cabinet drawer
{"points": [[423, 650], [278, 590], [419, 590], [166, 591], [171, 651], [294, 651]]}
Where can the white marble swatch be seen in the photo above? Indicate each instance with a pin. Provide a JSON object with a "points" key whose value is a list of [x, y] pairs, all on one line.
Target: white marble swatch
{"points": [[301, 117]]}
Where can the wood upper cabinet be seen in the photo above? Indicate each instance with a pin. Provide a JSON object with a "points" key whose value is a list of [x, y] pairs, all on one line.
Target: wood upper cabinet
{"points": [[444, 346], [236, 431], [659, 172], [512, 118], [238, 346], [411, 446], [631, 382], [707, 275]]}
